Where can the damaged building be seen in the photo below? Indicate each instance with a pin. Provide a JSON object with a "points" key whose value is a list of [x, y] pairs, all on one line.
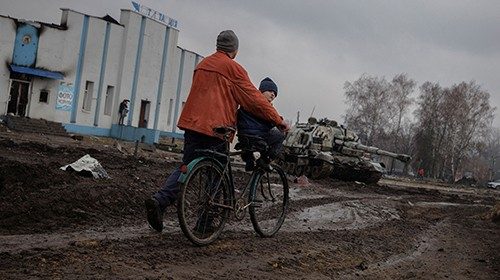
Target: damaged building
{"points": [[77, 72]]}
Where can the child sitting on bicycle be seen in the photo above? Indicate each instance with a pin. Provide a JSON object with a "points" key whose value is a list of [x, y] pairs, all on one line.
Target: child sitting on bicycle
{"points": [[251, 125]]}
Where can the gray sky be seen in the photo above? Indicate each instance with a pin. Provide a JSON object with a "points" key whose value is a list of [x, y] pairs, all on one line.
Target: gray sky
{"points": [[310, 48]]}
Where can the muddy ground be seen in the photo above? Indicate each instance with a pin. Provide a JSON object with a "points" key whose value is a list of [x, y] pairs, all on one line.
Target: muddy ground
{"points": [[60, 225]]}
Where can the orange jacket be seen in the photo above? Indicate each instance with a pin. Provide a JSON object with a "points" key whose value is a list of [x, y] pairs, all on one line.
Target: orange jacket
{"points": [[219, 86]]}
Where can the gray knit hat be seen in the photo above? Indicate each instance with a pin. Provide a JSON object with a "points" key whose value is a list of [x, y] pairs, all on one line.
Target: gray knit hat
{"points": [[227, 41]]}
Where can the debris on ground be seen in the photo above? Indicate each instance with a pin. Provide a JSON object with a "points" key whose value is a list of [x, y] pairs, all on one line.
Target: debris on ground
{"points": [[55, 223], [87, 165], [494, 214], [148, 147], [121, 148], [302, 181], [77, 137]]}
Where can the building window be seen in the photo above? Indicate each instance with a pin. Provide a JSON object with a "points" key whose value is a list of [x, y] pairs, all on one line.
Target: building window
{"points": [[170, 106], [108, 102], [44, 96], [87, 96]]}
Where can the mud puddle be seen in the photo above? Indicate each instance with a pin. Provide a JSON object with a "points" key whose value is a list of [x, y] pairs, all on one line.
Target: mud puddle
{"points": [[345, 215], [446, 204]]}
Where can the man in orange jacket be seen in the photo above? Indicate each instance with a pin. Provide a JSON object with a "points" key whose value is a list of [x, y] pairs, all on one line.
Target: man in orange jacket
{"points": [[220, 86]]}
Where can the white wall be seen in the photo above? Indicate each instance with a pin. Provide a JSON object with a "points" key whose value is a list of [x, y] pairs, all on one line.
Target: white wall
{"points": [[111, 74], [50, 56], [55, 48], [59, 48], [173, 78], [91, 69], [57, 51], [149, 72], [7, 38], [187, 78], [169, 81], [130, 41]]}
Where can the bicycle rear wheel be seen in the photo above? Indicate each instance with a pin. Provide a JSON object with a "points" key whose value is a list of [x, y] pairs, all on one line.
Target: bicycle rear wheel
{"points": [[204, 203], [269, 202]]}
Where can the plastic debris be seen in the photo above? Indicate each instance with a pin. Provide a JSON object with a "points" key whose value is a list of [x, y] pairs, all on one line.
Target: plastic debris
{"points": [[87, 166]]}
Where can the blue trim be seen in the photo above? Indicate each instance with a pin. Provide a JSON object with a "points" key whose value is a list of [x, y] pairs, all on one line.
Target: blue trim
{"points": [[162, 76], [37, 72], [25, 52], [178, 94], [79, 67], [101, 74], [131, 133], [172, 134], [136, 71], [87, 130], [123, 132]]}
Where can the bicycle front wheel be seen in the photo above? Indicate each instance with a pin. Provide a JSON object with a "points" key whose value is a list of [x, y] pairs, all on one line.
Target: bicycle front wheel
{"points": [[204, 203], [269, 202]]}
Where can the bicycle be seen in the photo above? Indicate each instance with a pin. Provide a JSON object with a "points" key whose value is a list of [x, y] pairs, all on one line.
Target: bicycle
{"points": [[207, 193]]}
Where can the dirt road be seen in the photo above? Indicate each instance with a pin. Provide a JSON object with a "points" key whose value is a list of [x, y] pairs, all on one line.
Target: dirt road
{"points": [[59, 225]]}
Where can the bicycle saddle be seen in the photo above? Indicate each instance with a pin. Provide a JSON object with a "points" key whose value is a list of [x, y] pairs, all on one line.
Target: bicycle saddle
{"points": [[224, 130]]}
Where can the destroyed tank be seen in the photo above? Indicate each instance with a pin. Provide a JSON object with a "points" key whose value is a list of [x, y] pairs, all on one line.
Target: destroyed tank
{"points": [[320, 149]]}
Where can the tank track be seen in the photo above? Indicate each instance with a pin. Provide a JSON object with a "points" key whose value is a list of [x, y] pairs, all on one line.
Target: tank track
{"points": [[319, 170], [355, 171]]}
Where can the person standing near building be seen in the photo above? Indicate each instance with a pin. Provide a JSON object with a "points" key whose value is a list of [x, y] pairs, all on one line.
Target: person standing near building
{"points": [[123, 110], [220, 86]]}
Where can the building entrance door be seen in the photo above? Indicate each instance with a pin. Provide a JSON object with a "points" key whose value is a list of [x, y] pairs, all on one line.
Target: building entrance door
{"points": [[144, 114], [19, 98]]}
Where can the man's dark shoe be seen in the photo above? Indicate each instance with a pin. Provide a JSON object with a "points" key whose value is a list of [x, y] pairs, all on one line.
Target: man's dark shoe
{"points": [[155, 215]]}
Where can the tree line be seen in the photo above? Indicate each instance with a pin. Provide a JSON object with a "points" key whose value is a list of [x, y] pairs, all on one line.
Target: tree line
{"points": [[447, 130]]}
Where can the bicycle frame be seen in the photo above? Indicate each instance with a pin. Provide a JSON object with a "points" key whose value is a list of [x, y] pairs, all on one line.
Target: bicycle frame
{"points": [[226, 170], [213, 194]]}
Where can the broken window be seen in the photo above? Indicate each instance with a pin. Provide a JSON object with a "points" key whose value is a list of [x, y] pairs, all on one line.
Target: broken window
{"points": [[87, 96], [44, 96], [170, 107], [108, 102]]}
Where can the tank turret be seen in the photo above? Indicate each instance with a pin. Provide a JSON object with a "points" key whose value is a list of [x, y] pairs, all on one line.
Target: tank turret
{"points": [[324, 149]]}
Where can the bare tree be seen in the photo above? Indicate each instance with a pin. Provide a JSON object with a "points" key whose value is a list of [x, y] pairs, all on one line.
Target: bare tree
{"points": [[401, 90], [451, 123], [429, 136], [491, 153], [473, 117], [368, 107]]}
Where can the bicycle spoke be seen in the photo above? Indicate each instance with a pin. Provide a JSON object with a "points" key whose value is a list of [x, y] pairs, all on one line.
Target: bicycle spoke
{"points": [[200, 210], [269, 202]]}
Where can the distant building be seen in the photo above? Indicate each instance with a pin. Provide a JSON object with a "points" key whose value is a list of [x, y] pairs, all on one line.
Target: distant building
{"points": [[79, 71]]}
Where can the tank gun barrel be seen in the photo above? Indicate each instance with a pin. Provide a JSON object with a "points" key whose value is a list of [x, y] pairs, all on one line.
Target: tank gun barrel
{"points": [[372, 150]]}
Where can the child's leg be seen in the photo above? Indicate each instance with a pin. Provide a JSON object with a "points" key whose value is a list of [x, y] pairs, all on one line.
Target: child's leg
{"points": [[275, 141]]}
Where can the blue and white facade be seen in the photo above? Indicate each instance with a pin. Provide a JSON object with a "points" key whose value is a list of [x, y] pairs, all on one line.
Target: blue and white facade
{"points": [[78, 72]]}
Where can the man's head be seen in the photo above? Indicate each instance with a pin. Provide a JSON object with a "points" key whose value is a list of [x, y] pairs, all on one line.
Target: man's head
{"points": [[269, 89], [228, 42]]}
